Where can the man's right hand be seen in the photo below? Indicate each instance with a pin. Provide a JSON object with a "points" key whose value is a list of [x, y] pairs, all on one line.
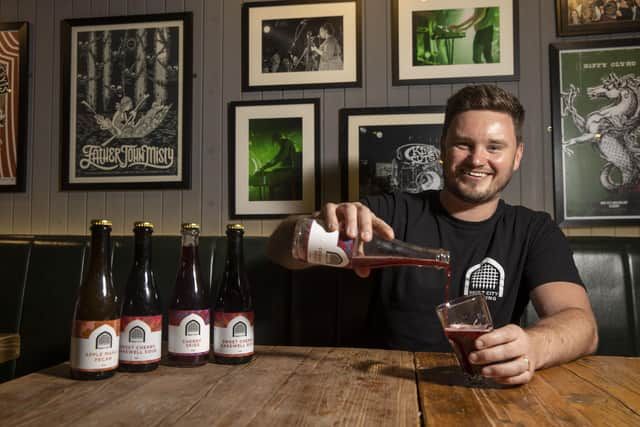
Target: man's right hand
{"points": [[355, 220]]}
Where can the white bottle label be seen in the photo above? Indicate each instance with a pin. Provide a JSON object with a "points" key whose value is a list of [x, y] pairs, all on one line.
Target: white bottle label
{"points": [[140, 339], [189, 332], [94, 345], [233, 334], [326, 248]]}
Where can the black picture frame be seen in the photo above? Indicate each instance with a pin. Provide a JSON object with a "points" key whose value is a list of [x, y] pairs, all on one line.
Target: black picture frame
{"points": [[277, 40], [585, 21], [596, 158], [14, 98], [274, 158], [126, 102], [390, 149], [424, 44]]}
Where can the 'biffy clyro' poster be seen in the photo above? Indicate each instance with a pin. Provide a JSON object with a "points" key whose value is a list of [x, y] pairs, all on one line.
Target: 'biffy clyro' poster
{"points": [[600, 128], [126, 101]]}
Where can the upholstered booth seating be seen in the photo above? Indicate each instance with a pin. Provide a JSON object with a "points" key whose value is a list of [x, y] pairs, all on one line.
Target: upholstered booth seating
{"points": [[317, 306]]}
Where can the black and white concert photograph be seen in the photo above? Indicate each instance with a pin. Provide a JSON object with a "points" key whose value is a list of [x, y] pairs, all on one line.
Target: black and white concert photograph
{"points": [[314, 44], [301, 45]]}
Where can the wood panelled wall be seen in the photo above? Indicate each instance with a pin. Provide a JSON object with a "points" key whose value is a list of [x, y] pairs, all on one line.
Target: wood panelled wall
{"points": [[44, 209]]}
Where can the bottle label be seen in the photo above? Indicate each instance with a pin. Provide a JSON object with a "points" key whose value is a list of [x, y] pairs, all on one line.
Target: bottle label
{"points": [[233, 334], [94, 345], [326, 248], [189, 332], [140, 339]]}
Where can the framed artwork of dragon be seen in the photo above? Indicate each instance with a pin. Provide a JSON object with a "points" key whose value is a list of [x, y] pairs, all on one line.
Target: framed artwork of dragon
{"points": [[126, 96], [595, 93]]}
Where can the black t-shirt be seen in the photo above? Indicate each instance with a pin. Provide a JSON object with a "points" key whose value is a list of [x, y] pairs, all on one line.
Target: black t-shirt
{"points": [[503, 257]]}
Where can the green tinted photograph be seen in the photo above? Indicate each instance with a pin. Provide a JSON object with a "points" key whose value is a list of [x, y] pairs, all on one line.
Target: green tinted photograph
{"points": [[275, 159], [456, 36]]}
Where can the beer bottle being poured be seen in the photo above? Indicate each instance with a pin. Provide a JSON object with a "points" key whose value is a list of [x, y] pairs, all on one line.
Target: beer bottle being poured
{"points": [[189, 323], [96, 319], [141, 324], [312, 243], [233, 315]]}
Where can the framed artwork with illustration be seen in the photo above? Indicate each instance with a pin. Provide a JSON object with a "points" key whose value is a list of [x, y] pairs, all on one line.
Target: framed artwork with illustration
{"points": [[274, 158], [585, 17], [390, 149], [301, 44], [14, 68], [126, 100], [449, 41], [596, 132]]}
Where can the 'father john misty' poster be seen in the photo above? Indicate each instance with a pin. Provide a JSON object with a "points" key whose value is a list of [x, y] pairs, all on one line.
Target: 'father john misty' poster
{"points": [[126, 103]]}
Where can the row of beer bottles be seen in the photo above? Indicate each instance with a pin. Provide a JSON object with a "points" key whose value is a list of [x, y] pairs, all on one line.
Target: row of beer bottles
{"points": [[107, 334]]}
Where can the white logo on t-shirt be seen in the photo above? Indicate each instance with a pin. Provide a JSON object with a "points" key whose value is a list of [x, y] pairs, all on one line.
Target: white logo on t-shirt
{"points": [[486, 278]]}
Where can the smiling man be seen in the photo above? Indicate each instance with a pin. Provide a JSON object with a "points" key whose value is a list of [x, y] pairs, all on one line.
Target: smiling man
{"points": [[510, 254]]}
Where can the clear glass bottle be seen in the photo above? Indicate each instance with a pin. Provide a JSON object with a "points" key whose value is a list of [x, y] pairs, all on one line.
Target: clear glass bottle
{"points": [[313, 244], [141, 324], [96, 318], [189, 315], [233, 315]]}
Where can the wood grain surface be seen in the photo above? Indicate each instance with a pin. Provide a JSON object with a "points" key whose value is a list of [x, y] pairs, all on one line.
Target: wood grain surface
{"points": [[281, 386], [9, 347], [594, 391]]}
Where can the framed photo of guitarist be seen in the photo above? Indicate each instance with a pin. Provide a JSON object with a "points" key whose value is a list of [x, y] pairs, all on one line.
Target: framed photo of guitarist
{"points": [[126, 99], [595, 90], [301, 44], [451, 41]]}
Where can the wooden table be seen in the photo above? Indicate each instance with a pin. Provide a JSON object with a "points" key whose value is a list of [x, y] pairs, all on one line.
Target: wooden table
{"points": [[595, 390], [282, 386], [328, 386], [9, 347]]}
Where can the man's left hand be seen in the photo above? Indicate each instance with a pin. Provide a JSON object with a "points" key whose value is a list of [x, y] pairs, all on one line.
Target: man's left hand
{"points": [[507, 353]]}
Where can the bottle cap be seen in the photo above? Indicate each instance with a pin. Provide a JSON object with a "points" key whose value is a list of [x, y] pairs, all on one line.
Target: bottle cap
{"points": [[143, 224], [191, 226], [235, 227], [103, 222]]}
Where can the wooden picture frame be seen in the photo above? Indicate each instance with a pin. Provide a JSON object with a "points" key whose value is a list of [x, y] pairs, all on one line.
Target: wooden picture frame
{"points": [[452, 41], [14, 96], [274, 158], [390, 149], [596, 132], [126, 102], [301, 44], [581, 18]]}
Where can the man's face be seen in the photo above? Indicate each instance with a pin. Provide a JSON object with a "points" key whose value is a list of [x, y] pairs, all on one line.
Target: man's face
{"points": [[480, 155]]}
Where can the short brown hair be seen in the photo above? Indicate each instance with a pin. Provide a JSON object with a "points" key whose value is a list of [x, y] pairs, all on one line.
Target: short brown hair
{"points": [[484, 97]]}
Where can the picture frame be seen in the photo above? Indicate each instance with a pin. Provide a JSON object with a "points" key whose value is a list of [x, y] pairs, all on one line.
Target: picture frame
{"points": [[452, 41], [14, 95], [274, 158], [301, 44], [596, 132], [126, 102], [390, 149], [585, 17]]}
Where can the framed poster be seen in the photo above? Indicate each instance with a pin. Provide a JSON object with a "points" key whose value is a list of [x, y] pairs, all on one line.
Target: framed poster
{"points": [[14, 66], [274, 158], [449, 41], [584, 17], [301, 44], [126, 101], [390, 149], [596, 132]]}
